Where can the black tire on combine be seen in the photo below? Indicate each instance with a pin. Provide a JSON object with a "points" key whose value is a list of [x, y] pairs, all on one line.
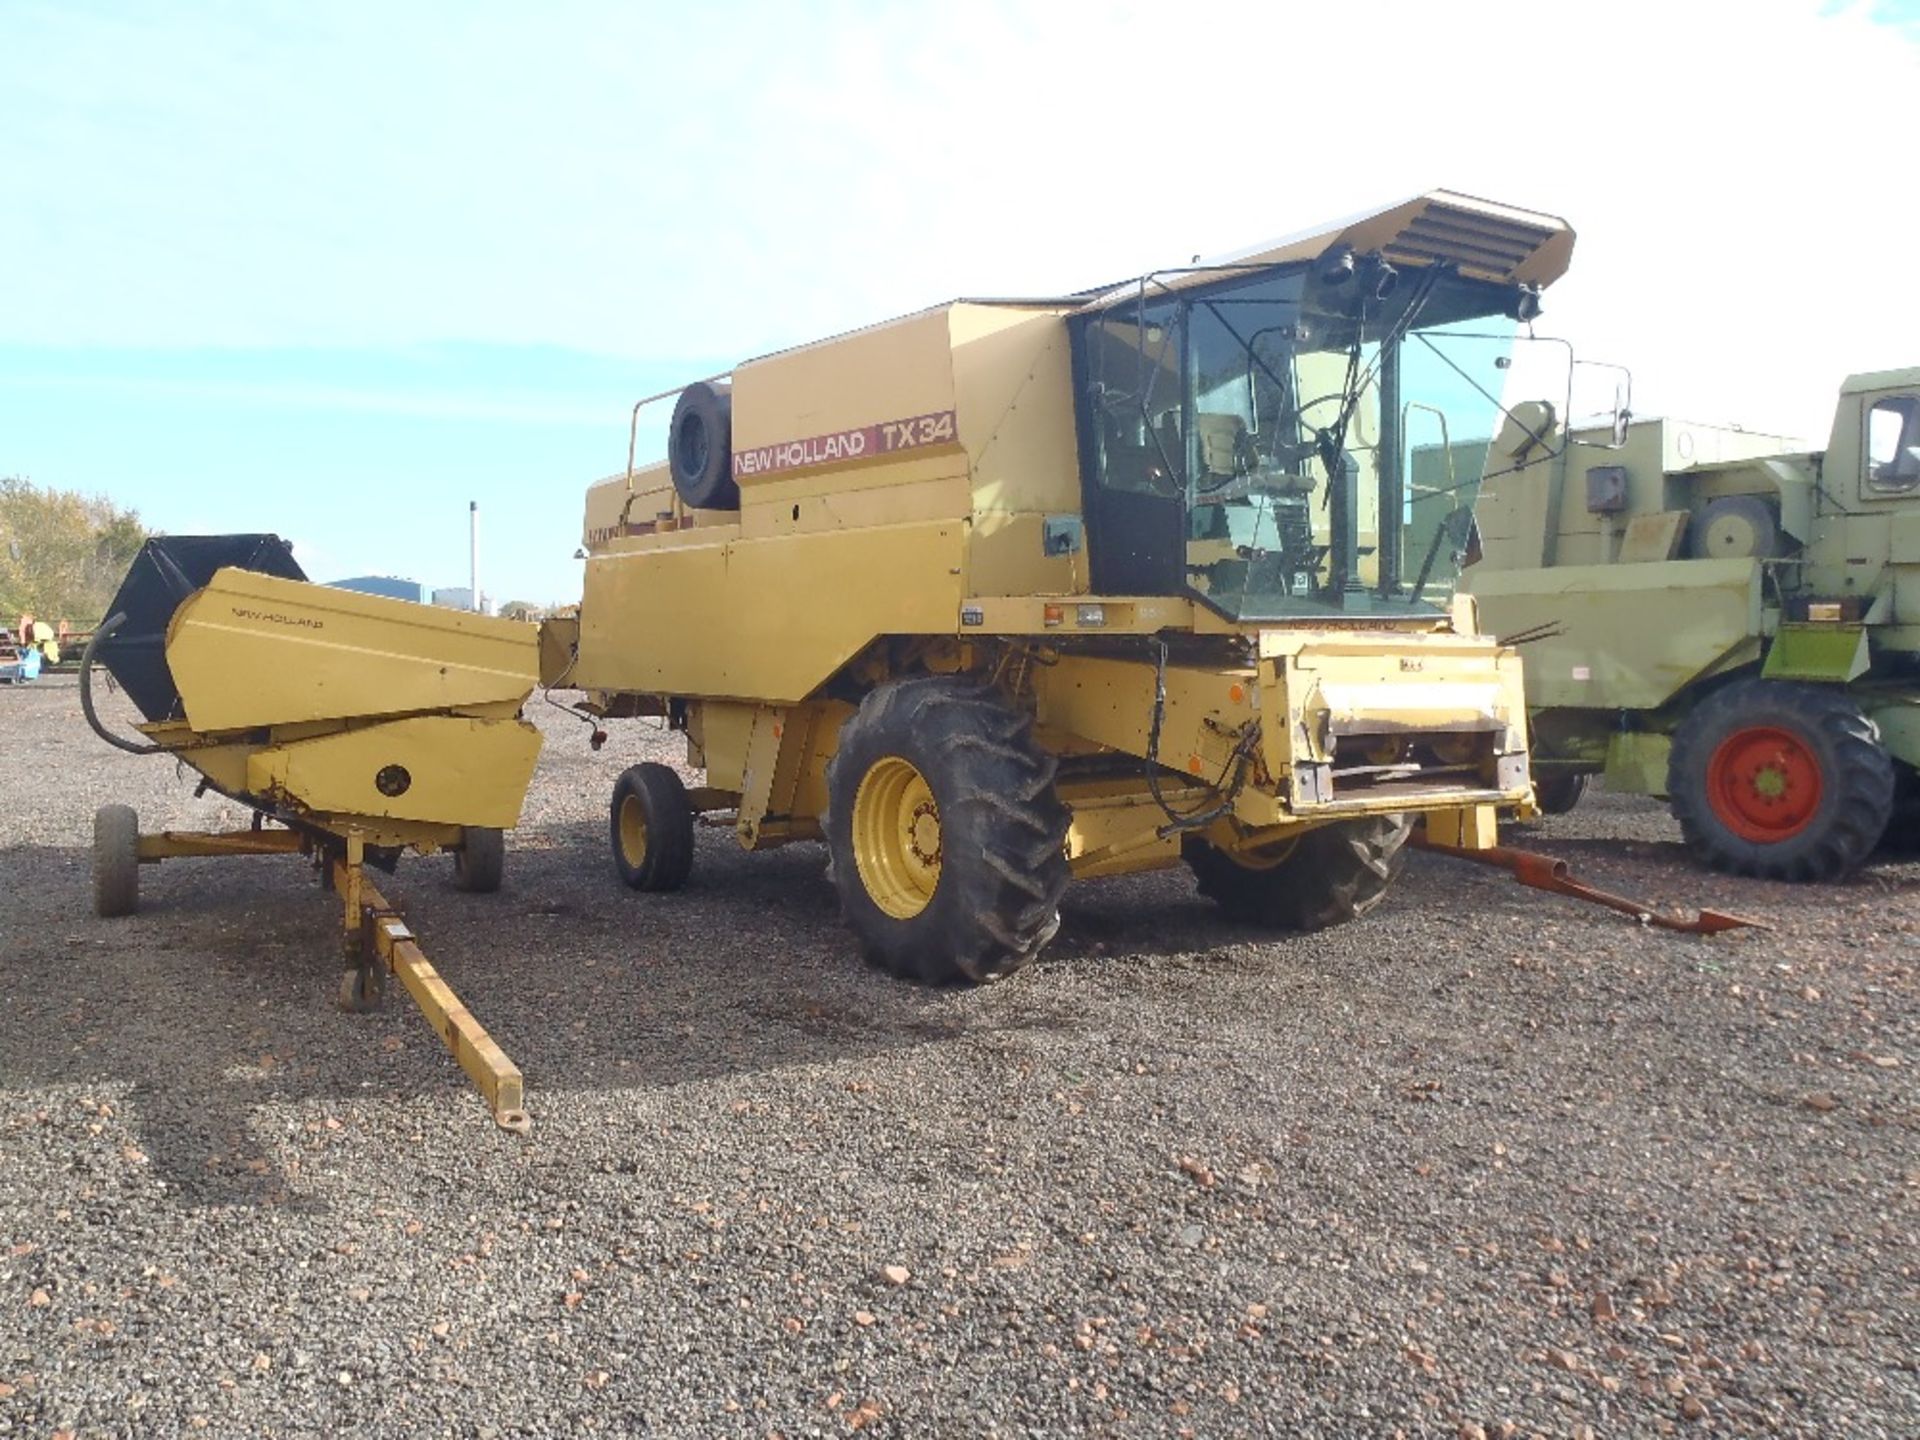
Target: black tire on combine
{"points": [[1327, 877], [946, 841], [481, 861], [1780, 780], [1557, 794], [1902, 835], [651, 826], [700, 447], [116, 861]]}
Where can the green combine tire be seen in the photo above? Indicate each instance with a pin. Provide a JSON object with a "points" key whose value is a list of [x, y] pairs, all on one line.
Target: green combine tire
{"points": [[1557, 794], [1781, 781]]}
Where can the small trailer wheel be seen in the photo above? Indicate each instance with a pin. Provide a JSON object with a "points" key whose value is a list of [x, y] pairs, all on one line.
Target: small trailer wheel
{"points": [[481, 860], [116, 860]]}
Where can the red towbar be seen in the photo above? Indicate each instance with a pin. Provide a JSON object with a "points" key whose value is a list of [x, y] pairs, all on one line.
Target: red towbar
{"points": [[1543, 872]]}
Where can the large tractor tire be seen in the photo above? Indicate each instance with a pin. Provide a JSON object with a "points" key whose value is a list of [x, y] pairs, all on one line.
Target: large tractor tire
{"points": [[945, 838], [1327, 877], [480, 863], [1780, 780], [652, 829], [116, 861], [700, 447]]}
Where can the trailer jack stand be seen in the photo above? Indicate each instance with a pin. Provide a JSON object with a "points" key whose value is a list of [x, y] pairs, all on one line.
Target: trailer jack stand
{"points": [[1543, 872]]}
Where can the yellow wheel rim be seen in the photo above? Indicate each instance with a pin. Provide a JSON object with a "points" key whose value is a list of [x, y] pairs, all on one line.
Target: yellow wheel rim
{"points": [[633, 831], [896, 838], [1270, 856]]}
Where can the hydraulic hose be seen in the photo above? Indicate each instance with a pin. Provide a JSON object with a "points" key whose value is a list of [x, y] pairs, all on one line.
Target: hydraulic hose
{"points": [[107, 627]]}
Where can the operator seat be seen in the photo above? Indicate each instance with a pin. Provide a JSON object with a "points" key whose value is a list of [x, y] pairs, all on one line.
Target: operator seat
{"points": [[1226, 449]]}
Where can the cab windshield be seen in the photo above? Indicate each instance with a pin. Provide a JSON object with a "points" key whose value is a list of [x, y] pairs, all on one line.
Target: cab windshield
{"points": [[1277, 444]]}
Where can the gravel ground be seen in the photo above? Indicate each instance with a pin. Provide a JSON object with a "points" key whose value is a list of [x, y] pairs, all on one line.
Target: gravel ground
{"points": [[1486, 1164]]}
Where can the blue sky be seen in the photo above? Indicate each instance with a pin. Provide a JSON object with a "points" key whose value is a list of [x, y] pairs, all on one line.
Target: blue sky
{"points": [[336, 270]]}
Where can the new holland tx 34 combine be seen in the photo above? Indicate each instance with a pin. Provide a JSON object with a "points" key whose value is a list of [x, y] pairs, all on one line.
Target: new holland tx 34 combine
{"points": [[1007, 592]]}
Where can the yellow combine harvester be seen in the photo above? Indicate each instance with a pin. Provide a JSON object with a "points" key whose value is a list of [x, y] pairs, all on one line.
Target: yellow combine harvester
{"points": [[1010, 591], [360, 727]]}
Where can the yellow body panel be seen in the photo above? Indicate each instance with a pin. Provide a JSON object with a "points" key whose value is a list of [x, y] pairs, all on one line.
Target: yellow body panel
{"points": [[770, 619], [1101, 700], [250, 650], [1116, 827], [459, 771], [889, 372]]}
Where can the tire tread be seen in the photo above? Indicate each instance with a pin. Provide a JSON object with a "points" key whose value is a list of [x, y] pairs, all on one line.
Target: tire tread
{"points": [[1004, 831], [1845, 830], [1334, 874]]}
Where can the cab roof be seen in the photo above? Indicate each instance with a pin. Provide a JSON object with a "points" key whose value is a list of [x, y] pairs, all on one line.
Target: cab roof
{"points": [[1481, 238]]}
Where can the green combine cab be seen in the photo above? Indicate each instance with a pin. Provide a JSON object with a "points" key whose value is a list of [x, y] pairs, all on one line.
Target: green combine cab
{"points": [[1716, 617]]}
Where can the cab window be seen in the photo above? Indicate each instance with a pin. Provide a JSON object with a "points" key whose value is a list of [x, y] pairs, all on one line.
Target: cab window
{"points": [[1893, 444]]}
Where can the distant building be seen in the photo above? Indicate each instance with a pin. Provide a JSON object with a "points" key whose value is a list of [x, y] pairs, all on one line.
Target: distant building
{"points": [[391, 586], [457, 597]]}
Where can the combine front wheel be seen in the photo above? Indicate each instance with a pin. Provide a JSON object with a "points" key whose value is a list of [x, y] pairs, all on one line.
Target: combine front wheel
{"points": [[1780, 780], [652, 829], [1327, 877], [944, 833]]}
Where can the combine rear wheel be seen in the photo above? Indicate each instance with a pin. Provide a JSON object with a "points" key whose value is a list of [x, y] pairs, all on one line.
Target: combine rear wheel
{"points": [[1327, 877], [652, 829], [945, 837], [116, 860], [481, 861], [1780, 780]]}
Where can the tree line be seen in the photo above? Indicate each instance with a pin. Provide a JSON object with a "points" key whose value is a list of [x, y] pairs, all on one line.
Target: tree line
{"points": [[62, 554]]}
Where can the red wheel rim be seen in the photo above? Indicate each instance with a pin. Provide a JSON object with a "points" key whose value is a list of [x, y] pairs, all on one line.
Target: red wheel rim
{"points": [[1764, 784]]}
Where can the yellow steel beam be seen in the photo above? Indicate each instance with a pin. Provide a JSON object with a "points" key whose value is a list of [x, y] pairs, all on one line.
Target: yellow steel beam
{"points": [[176, 844], [392, 944]]}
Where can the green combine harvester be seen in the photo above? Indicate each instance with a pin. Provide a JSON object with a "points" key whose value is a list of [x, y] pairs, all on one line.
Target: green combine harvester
{"points": [[1715, 617]]}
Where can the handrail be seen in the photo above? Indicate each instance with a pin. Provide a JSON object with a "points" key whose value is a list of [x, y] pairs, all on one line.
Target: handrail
{"points": [[633, 423]]}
